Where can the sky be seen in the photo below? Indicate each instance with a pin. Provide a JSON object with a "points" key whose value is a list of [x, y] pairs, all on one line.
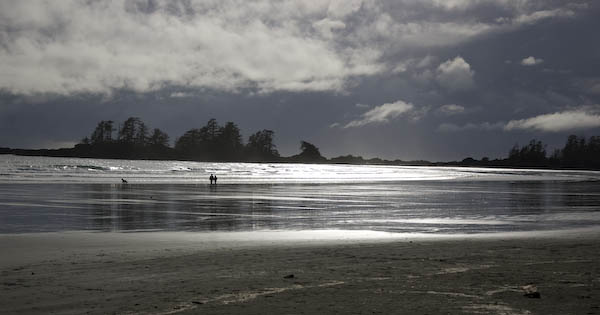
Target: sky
{"points": [[437, 80]]}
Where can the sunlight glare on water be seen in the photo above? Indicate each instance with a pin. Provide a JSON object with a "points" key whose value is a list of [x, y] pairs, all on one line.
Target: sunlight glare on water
{"points": [[69, 170], [41, 194]]}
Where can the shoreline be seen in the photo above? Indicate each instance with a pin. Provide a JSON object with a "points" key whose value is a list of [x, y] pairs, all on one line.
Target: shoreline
{"points": [[185, 273], [448, 164], [33, 247]]}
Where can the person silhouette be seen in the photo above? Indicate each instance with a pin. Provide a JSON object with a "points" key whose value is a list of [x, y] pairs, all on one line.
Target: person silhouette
{"points": [[212, 178]]}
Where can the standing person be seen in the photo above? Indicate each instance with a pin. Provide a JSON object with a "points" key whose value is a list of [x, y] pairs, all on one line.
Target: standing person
{"points": [[212, 177]]}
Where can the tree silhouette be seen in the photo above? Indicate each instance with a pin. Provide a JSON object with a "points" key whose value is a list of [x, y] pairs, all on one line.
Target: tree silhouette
{"points": [[210, 132], [260, 145], [229, 142], [103, 132], [127, 131], [158, 138], [133, 132], [141, 136], [309, 153], [578, 152], [593, 152], [189, 144], [132, 142], [108, 130], [213, 142], [530, 155]]}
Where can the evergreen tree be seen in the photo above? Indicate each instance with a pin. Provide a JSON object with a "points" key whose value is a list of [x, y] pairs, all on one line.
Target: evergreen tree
{"points": [[211, 131], [189, 144], [127, 131], [103, 132], [533, 154], [141, 135], [158, 138], [309, 153], [260, 145], [229, 142]]}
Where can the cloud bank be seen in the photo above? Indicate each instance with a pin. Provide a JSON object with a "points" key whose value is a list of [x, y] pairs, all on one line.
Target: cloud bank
{"points": [[583, 118], [70, 46], [93, 47]]}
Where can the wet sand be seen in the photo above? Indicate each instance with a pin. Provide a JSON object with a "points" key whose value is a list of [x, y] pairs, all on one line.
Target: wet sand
{"points": [[190, 273]]}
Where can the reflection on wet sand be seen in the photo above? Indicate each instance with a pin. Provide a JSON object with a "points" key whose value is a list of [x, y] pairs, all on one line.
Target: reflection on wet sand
{"points": [[425, 206]]}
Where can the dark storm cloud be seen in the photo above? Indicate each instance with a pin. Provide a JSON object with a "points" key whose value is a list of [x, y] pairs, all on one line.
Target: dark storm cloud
{"points": [[80, 46], [438, 79]]}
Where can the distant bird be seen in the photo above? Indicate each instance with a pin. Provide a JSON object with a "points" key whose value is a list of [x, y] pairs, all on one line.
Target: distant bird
{"points": [[123, 181]]}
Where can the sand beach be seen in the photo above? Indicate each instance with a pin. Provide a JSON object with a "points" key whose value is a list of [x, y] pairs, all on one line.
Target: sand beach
{"points": [[267, 240], [183, 273]]}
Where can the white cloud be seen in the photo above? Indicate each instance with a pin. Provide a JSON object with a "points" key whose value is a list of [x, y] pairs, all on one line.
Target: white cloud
{"points": [[381, 114], [455, 75], [453, 4], [582, 118], [343, 8], [530, 18], [399, 35], [531, 61], [230, 45], [451, 109], [51, 47]]}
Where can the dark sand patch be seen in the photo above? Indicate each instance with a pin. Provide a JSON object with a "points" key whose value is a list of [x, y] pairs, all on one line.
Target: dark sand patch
{"points": [[420, 276]]}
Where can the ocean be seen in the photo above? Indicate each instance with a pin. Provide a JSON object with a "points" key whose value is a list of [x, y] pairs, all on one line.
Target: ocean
{"points": [[45, 194]]}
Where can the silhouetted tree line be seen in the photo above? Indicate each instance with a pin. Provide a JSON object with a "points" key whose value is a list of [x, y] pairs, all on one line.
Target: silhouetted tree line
{"points": [[224, 143], [211, 142], [133, 139], [577, 153], [529, 155]]}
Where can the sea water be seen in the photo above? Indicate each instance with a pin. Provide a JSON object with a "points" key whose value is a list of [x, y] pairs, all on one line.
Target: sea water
{"points": [[44, 194]]}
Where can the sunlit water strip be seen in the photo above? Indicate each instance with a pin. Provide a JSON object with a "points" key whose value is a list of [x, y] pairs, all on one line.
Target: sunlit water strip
{"points": [[19, 169], [39, 194]]}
